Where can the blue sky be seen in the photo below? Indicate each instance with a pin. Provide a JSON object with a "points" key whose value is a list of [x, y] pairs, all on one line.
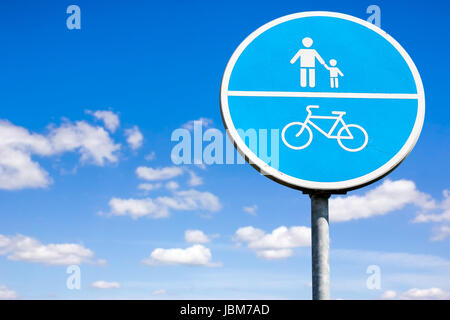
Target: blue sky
{"points": [[69, 178]]}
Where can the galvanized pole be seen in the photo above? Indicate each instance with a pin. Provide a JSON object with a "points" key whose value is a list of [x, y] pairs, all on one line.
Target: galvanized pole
{"points": [[320, 246]]}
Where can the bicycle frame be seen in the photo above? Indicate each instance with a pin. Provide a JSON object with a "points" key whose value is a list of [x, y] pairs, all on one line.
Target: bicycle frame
{"points": [[329, 133]]}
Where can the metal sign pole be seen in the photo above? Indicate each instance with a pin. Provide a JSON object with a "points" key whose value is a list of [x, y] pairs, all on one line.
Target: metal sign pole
{"points": [[320, 246]]}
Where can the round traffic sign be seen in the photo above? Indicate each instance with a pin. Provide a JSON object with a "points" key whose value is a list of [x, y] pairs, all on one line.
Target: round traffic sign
{"points": [[342, 101]]}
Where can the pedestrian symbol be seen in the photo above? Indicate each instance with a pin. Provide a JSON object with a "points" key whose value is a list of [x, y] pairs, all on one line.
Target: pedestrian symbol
{"points": [[307, 65]]}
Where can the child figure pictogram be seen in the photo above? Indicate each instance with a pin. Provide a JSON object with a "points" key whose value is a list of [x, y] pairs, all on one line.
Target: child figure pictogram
{"points": [[334, 73]]}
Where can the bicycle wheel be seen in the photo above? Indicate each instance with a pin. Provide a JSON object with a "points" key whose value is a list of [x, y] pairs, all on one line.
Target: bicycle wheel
{"points": [[356, 132], [296, 131]]}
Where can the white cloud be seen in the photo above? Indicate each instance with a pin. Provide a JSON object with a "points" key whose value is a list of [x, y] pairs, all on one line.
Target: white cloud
{"points": [[105, 285], [160, 207], [154, 174], [275, 254], [21, 139], [280, 238], [390, 196], [197, 236], [158, 292], [389, 295], [194, 179], [22, 248], [192, 200], [137, 208], [251, 209], [17, 145], [417, 294], [109, 118], [172, 185], [203, 122], [151, 156], [440, 233], [167, 173], [399, 259], [17, 170], [94, 143], [442, 216], [427, 294], [134, 137], [200, 165], [149, 186], [6, 294], [275, 245], [196, 255]]}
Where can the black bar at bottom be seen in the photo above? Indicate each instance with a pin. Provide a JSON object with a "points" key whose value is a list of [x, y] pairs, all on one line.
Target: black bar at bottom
{"points": [[215, 309]]}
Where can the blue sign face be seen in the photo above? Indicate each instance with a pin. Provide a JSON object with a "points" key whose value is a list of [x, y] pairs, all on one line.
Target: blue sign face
{"points": [[343, 99]]}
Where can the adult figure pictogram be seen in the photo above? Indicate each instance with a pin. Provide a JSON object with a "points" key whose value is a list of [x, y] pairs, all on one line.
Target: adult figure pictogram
{"points": [[307, 63]]}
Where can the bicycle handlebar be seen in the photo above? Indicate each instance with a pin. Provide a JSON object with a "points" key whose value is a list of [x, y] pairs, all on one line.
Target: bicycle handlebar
{"points": [[311, 107]]}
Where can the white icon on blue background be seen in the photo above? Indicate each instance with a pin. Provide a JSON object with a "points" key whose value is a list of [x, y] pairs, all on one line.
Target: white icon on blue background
{"points": [[308, 59]]}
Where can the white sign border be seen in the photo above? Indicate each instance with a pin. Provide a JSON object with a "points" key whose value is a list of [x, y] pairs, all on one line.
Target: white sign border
{"points": [[297, 183]]}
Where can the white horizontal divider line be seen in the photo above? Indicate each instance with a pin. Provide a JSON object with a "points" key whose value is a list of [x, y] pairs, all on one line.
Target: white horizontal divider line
{"points": [[322, 94]]}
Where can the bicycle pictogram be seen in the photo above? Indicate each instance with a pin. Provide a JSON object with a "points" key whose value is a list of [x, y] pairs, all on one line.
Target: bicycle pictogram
{"points": [[343, 134]]}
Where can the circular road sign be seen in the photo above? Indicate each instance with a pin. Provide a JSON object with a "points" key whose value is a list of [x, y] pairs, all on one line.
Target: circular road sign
{"points": [[336, 101]]}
